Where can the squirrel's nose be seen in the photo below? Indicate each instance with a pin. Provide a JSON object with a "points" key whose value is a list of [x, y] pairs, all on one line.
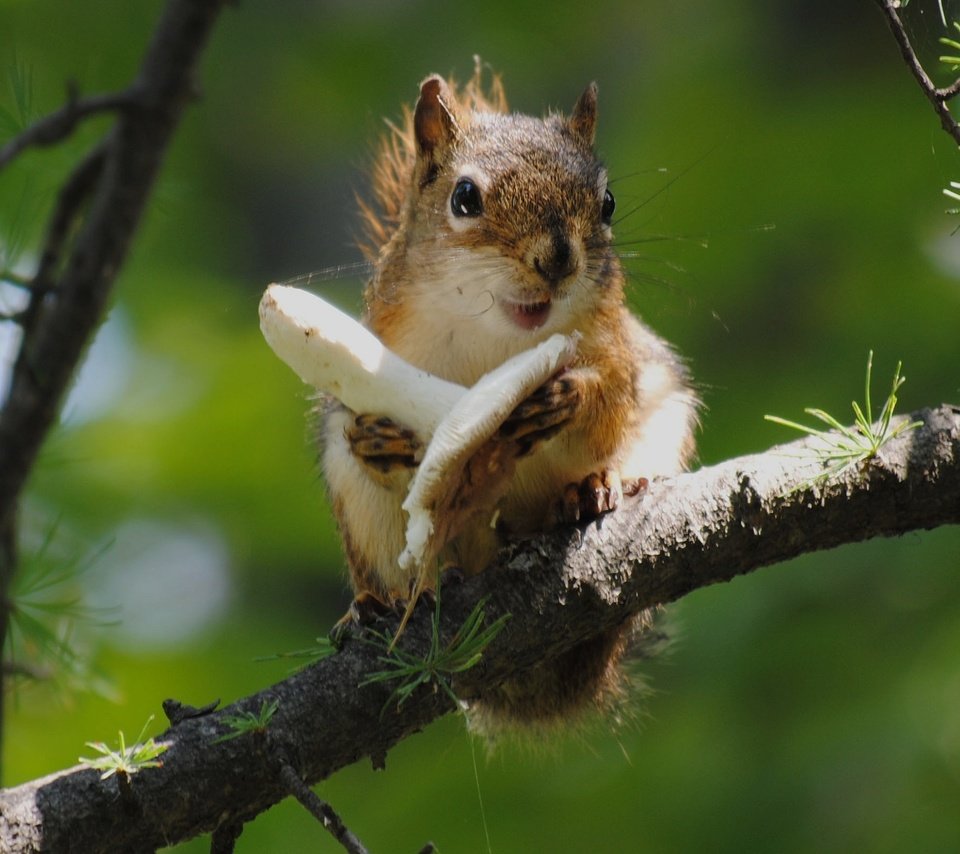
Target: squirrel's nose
{"points": [[557, 260]]}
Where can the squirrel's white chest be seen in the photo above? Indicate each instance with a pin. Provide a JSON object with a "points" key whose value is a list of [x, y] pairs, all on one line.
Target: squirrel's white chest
{"points": [[457, 324]]}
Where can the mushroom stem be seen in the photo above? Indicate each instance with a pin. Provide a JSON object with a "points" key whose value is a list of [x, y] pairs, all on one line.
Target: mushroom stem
{"points": [[332, 352]]}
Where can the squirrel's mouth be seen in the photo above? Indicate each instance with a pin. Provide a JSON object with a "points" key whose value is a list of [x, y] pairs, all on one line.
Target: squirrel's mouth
{"points": [[528, 315]]}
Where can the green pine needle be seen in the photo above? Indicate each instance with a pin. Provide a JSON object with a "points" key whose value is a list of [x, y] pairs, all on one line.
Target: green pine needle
{"points": [[952, 61], [324, 648], [943, 15], [464, 651], [20, 84], [45, 607], [23, 211], [126, 761], [844, 447], [247, 722]]}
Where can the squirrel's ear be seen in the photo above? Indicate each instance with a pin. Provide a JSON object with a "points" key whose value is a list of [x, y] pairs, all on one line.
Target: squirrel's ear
{"points": [[583, 120], [434, 123]]}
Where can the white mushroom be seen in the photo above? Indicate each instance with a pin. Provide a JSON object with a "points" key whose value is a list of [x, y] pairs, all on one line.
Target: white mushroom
{"points": [[470, 424], [334, 353]]}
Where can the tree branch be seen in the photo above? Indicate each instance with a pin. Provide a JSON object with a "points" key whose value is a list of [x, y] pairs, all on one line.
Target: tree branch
{"points": [[101, 204], [59, 125], [321, 811], [937, 97], [685, 533], [117, 181]]}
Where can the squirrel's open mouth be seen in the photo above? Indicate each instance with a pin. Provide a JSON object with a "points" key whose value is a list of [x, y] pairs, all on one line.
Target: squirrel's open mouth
{"points": [[529, 315]]}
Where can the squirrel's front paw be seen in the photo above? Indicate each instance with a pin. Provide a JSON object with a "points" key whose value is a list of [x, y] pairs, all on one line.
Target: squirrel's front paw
{"points": [[544, 413], [595, 495], [383, 446]]}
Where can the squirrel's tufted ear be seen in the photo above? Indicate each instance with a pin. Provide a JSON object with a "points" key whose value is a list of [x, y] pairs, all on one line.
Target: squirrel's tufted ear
{"points": [[583, 121], [434, 122]]}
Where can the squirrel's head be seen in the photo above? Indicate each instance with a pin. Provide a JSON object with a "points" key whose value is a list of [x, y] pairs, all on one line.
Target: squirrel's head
{"points": [[518, 205], [507, 217]]}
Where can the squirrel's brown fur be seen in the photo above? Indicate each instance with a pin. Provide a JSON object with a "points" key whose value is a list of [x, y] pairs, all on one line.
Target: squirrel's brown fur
{"points": [[397, 153], [488, 233]]}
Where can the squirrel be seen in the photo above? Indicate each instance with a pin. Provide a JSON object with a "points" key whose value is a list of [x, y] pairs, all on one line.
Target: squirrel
{"points": [[491, 231]]}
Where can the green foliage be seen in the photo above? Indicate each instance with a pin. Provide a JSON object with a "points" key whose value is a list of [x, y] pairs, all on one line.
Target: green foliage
{"points": [[125, 761], [323, 648], [952, 193], [20, 85], [842, 447], [442, 661], [19, 229], [46, 605], [13, 119], [952, 61], [247, 722], [790, 693]]}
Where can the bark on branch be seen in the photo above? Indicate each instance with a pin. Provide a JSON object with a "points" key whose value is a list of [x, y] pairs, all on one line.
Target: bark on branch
{"points": [[685, 533]]}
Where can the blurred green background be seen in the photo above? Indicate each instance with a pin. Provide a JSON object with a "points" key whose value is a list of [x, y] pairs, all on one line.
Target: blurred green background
{"points": [[812, 706]]}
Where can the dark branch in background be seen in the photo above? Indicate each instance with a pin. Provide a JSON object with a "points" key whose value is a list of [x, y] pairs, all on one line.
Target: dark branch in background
{"points": [[97, 213], [937, 97], [59, 125], [687, 532]]}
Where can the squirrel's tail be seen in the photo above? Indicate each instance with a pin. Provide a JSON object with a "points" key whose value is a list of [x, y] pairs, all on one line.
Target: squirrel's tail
{"points": [[569, 690]]}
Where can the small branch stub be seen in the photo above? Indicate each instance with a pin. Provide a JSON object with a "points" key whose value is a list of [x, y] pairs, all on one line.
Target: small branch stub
{"points": [[321, 811]]}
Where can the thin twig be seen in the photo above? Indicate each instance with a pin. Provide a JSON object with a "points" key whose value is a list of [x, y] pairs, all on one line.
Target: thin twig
{"points": [[320, 810], [72, 198], [59, 125], [937, 97], [950, 91]]}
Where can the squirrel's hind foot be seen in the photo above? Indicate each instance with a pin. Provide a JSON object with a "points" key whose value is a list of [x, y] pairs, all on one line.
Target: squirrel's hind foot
{"points": [[365, 608], [368, 607]]}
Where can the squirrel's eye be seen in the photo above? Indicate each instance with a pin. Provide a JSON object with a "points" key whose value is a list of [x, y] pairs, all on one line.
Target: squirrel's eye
{"points": [[465, 199], [609, 206]]}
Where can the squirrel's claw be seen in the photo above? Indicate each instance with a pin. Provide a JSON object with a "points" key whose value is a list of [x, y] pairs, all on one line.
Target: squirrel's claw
{"points": [[364, 609], [598, 493], [634, 486]]}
